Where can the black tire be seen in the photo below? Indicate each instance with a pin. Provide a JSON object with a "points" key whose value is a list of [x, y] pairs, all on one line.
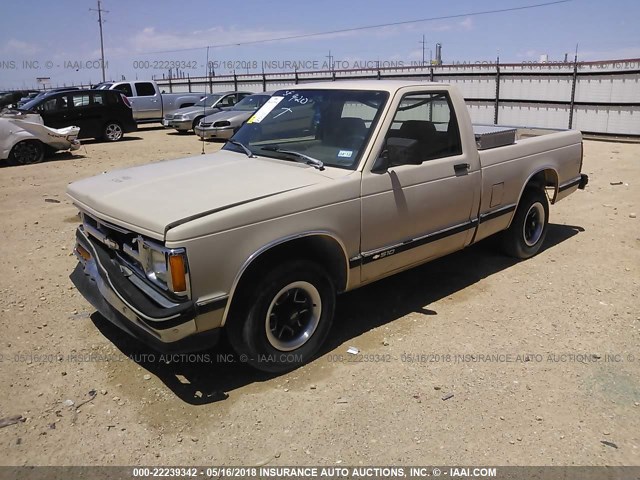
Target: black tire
{"points": [[524, 238], [196, 122], [284, 318], [26, 152], [112, 132]]}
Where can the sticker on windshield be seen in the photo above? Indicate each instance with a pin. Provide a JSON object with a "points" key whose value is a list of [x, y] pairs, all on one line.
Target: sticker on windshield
{"points": [[265, 110], [345, 153]]}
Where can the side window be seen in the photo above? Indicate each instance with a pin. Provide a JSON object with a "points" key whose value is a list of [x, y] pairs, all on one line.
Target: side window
{"points": [[99, 98], [79, 100], [145, 89], [50, 105], [125, 88], [228, 101], [429, 119], [54, 104]]}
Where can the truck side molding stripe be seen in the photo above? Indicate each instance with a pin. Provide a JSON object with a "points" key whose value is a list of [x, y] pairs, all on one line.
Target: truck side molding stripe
{"points": [[571, 183], [212, 305], [485, 217], [379, 254]]}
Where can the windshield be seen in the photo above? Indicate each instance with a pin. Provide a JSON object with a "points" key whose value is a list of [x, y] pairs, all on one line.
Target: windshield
{"points": [[251, 103], [209, 100], [103, 86], [32, 104], [332, 126]]}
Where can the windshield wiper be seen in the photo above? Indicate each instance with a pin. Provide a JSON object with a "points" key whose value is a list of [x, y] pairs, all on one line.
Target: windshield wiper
{"points": [[243, 147], [314, 162]]}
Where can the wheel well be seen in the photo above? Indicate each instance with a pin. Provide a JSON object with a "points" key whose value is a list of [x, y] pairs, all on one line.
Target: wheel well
{"points": [[186, 105], [543, 180], [321, 249]]}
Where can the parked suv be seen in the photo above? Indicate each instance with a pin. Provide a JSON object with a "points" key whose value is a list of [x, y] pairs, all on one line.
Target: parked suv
{"points": [[102, 114]]}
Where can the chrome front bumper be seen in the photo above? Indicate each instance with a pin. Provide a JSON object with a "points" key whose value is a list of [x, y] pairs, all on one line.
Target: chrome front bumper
{"points": [[109, 290], [179, 124], [218, 132]]}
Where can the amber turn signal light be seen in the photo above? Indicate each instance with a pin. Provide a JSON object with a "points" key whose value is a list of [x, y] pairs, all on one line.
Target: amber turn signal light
{"points": [[178, 273], [83, 252]]}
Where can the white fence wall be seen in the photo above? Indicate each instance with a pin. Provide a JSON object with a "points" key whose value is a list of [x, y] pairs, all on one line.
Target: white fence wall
{"points": [[595, 97]]}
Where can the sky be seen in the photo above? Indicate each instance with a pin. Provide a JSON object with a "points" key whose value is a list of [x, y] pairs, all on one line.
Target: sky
{"points": [[60, 40]]}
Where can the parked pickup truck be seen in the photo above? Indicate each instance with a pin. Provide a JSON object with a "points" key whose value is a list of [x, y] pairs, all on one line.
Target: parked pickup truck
{"points": [[326, 188], [148, 103]]}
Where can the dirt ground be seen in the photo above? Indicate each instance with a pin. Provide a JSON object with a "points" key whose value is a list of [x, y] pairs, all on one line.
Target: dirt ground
{"points": [[542, 357]]}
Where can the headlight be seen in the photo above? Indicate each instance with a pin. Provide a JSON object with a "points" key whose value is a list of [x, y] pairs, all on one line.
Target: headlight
{"points": [[166, 268], [222, 124]]}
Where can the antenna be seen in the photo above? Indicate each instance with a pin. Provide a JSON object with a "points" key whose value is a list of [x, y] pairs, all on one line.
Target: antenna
{"points": [[204, 103], [100, 10], [575, 59]]}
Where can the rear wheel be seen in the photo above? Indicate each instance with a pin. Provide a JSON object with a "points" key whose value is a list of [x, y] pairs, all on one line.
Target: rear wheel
{"points": [[286, 318], [524, 238], [112, 132], [26, 152]]}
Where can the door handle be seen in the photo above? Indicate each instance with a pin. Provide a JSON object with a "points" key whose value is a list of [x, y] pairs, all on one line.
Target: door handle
{"points": [[461, 167]]}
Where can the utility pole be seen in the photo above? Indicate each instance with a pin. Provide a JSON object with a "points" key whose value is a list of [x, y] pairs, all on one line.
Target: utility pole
{"points": [[330, 57], [424, 45], [100, 10]]}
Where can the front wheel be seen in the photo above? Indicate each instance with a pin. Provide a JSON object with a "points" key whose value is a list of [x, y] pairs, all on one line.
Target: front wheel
{"points": [[112, 132], [26, 152], [524, 238], [288, 314], [195, 123]]}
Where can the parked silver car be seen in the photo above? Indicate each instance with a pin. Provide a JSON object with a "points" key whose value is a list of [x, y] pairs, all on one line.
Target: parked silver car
{"points": [[224, 124], [185, 119]]}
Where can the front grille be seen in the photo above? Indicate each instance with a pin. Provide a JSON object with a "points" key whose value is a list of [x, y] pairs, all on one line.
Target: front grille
{"points": [[205, 125], [115, 238]]}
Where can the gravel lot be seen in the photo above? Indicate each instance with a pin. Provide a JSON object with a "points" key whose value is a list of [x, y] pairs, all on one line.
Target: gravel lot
{"points": [[542, 357]]}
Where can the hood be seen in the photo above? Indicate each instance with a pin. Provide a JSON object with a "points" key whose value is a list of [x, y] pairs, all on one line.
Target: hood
{"points": [[228, 115], [152, 198]]}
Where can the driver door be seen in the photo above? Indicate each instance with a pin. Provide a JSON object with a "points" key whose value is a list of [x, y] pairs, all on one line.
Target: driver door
{"points": [[412, 212]]}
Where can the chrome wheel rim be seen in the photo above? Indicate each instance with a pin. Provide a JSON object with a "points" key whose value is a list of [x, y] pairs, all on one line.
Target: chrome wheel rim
{"points": [[533, 224], [293, 316], [26, 153], [113, 132]]}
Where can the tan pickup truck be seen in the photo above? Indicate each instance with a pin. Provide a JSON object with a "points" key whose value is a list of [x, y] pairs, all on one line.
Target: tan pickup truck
{"points": [[326, 188]]}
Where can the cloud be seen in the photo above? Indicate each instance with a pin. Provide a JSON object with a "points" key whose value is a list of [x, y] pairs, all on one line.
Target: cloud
{"points": [[18, 47], [467, 23], [151, 40]]}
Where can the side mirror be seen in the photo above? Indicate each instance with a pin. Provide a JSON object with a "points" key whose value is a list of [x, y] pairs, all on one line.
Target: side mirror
{"points": [[403, 151]]}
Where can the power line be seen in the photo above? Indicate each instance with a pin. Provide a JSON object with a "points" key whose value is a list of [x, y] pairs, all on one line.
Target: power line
{"points": [[367, 27]]}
